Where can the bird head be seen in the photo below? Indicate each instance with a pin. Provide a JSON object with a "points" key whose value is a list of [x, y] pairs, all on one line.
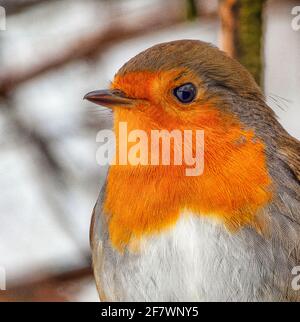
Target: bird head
{"points": [[190, 84], [180, 82]]}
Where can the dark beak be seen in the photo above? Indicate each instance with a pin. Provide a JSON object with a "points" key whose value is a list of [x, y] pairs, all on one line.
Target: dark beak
{"points": [[109, 98]]}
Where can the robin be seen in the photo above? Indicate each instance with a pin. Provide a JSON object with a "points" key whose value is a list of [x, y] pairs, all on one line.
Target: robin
{"points": [[231, 233]]}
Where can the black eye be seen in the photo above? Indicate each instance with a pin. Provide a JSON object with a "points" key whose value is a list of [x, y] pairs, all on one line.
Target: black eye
{"points": [[185, 93]]}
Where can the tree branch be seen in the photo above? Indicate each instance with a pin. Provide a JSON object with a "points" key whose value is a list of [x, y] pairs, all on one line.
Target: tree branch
{"points": [[49, 287], [89, 46], [15, 6]]}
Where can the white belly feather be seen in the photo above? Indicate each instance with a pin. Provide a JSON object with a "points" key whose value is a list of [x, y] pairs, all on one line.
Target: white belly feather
{"points": [[197, 260]]}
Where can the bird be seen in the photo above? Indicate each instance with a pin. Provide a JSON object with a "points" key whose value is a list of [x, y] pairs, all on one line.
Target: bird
{"points": [[231, 233]]}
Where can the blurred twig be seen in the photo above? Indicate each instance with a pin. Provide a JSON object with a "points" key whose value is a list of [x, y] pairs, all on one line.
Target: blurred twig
{"points": [[90, 45], [242, 33], [15, 6], [229, 19], [49, 287], [55, 174], [192, 10]]}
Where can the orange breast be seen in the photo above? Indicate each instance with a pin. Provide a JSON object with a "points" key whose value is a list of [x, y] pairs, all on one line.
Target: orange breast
{"points": [[235, 185]]}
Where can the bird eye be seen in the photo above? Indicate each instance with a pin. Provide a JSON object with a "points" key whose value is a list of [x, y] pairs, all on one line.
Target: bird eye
{"points": [[185, 93]]}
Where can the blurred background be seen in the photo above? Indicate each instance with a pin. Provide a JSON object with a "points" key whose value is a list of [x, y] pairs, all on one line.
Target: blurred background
{"points": [[54, 52]]}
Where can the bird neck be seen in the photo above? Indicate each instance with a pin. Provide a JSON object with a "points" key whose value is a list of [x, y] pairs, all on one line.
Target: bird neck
{"points": [[141, 200]]}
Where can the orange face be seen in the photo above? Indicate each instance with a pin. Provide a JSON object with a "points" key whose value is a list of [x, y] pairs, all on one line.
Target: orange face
{"points": [[143, 200]]}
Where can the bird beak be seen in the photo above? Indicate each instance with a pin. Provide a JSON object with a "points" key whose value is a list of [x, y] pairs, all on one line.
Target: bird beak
{"points": [[109, 98]]}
